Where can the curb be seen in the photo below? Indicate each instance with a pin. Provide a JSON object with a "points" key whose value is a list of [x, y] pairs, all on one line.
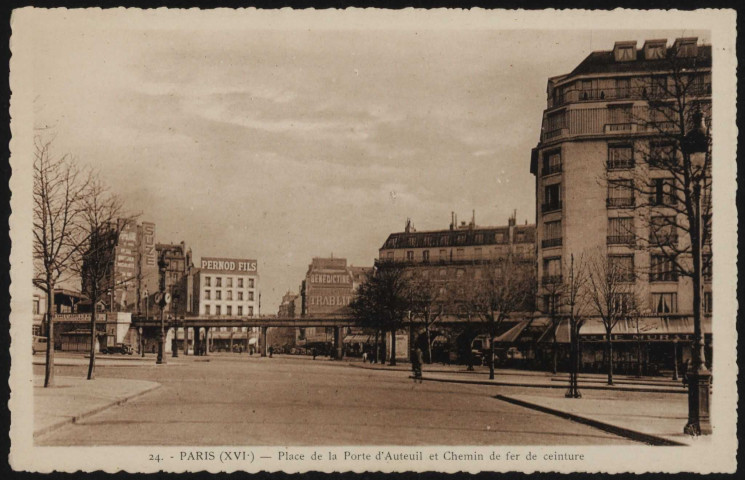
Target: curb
{"points": [[607, 427], [81, 416], [535, 385]]}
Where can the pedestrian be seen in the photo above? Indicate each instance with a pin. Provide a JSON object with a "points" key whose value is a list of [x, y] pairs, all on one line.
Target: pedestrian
{"points": [[271, 351], [364, 357], [313, 351], [684, 372], [416, 363]]}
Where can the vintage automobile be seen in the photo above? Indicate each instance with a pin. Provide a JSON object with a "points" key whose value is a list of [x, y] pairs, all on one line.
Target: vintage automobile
{"points": [[39, 344], [122, 348]]}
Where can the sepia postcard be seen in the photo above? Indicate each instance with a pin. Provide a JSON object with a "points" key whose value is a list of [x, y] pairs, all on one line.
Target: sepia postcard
{"points": [[373, 240]]}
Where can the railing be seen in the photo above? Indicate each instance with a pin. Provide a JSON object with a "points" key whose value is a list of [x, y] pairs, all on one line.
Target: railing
{"points": [[620, 240], [551, 242], [550, 207], [551, 279], [627, 127], [551, 169], [620, 164], [620, 202], [662, 239], [631, 93], [663, 277]]}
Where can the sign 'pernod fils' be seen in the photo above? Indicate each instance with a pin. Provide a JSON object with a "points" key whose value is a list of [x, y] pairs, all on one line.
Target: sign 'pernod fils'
{"points": [[229, 265]]}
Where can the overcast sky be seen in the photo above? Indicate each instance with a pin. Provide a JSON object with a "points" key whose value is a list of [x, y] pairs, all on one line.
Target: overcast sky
{"points": [[284, 140]]}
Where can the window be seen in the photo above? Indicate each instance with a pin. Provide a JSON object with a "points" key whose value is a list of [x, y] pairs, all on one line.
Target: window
{"points": [[552, 270], [662, 269], [240, 310], [425, 255], [250, 311], [207, 310], [411, 241], [623, 88], [240, 295], [240, 283], [229, 281], [443, 254], [663, 192], [625, 53], [620, 156], [207, 281], [554, 123], [460, 254], [551, 197], [218, 310], [551, 234], [250, 296], [207, 295], [708, 302], [551, 303], [230, 294], [218, 294], [622, 302], [619, 115], [621, 267], [477, 253], [663, 230], [229, 310], [37, 306], [479, 238], [444, 240], [655, 51], [620, 193], [664, 302], [661, 154], [621, 231], [551, 163], [706, 266], [460, 239], [218, 281], [250, 283], [410, 255], [459, 273]]}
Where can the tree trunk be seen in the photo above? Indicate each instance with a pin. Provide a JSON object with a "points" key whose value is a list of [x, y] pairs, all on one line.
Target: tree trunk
{"points": [[491, 356], [555, 355], [49, 317], [92, 361], [392, 362], [377, 346], [639, 368], [429, 345], [610, 359]]}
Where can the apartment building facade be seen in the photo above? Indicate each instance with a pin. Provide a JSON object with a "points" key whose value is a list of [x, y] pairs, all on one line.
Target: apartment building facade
{"points": [[597, 187]]}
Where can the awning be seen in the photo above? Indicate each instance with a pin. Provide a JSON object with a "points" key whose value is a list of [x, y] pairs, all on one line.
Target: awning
{"points": [[511, 335], [668, 328], [359, 338]]}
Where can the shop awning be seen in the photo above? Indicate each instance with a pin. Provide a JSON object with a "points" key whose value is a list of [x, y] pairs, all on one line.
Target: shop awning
{"points": [[667, 328], [511, 335], [359, 338]]}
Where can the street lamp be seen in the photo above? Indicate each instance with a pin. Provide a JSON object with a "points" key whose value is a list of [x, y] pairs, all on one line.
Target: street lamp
{"points": [[695, 146], [147, 315], [162, 301]]}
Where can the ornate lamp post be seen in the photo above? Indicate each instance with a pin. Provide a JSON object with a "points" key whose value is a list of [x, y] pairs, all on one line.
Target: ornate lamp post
{"points": [[163, 298], [147, 317], [695, 146]]}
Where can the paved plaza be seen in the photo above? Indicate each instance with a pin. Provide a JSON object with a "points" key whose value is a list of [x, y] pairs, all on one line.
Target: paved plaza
{"points": [[244, 400]]}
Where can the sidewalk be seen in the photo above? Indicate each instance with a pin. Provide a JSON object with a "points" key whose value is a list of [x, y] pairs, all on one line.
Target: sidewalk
{"points": [[74, 398], [654, 421], [104, 360]]}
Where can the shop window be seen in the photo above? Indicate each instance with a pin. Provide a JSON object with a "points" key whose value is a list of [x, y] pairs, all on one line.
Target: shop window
{"points": [[664, 303]]}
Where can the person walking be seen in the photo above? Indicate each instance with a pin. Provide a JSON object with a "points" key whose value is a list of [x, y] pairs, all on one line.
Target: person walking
{"points": [[364, 357], [314, 352], [416, 363], [271, 351]]}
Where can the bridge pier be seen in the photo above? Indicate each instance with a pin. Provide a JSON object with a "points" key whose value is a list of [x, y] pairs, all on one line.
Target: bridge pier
{"points": [[206, 341], [174, 345], [186, 341], [338, 344], [262, 341], [197, 342]]}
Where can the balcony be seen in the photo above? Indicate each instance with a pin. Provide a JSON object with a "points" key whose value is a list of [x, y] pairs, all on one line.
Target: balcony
{"points": [[620, 202], [550, 169], [628, 240], [551, 207], [619, 164], [551, 242], [623, 93], [551, 279], [611, 128], [556, 133]]}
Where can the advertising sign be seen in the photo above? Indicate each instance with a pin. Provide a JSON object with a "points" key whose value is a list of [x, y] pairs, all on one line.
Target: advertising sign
{"points": [[229, 265]]}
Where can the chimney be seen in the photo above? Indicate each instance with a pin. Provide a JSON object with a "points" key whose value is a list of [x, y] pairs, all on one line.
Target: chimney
{"points": [[452, 220], [408, 225], [473, 218]]}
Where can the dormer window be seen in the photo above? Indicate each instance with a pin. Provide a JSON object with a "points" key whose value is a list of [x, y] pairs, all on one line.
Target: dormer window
{"points": [[624, 51], [655, 49], [686, 47]]}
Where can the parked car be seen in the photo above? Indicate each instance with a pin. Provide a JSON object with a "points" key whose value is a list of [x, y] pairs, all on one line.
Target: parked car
{"points": [[123, 348], [39, 344]]}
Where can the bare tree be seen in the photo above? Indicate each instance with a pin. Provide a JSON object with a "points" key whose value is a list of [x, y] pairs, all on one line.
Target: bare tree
{"points": [[552, 294], [102, 221], [575, 305], [612, 294], [428, 301], [504, 287], [57, 191]]}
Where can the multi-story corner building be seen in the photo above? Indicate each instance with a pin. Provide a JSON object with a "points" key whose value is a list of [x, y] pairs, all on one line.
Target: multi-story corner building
{"points": [[602, 126], [453, 257]]}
